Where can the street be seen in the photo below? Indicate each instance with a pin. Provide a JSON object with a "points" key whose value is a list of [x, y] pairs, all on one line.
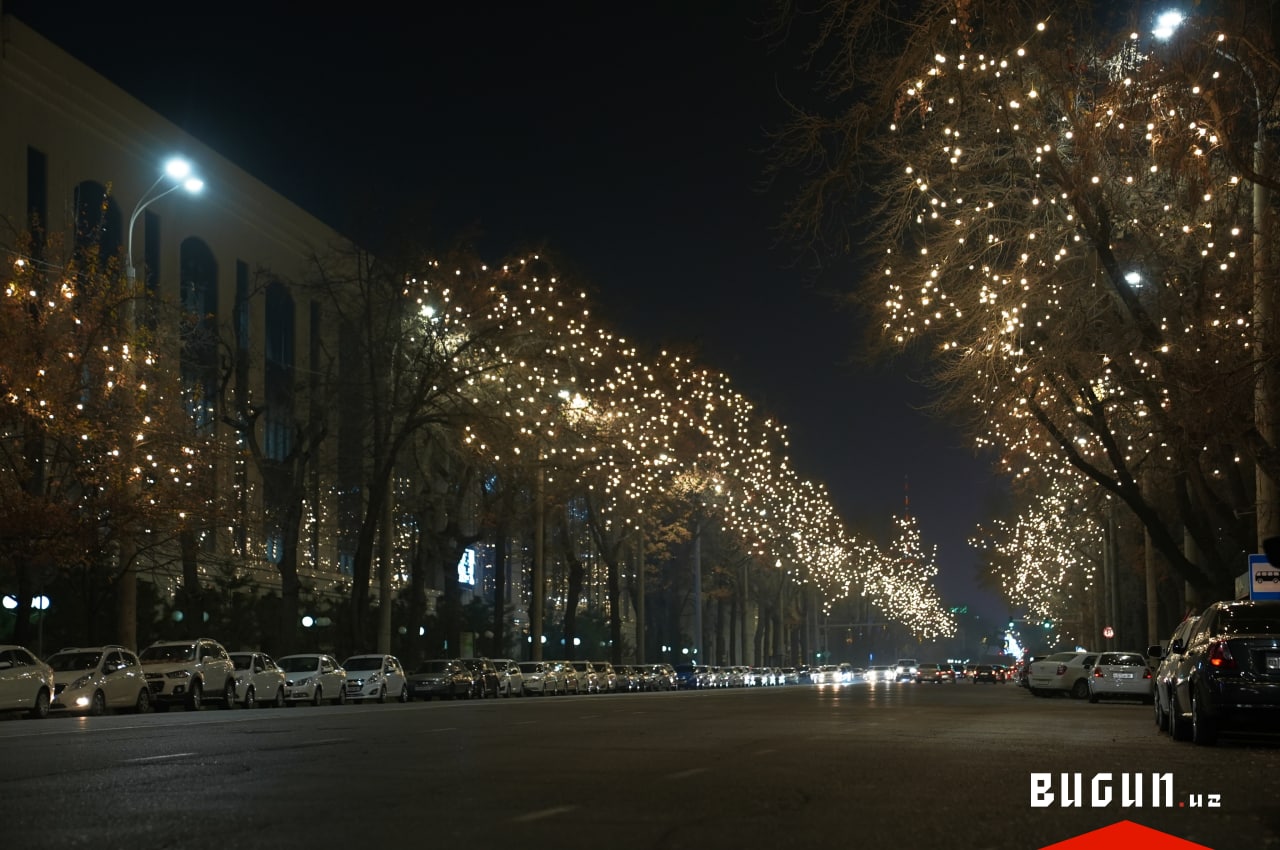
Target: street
{"points": [[893, 766]]}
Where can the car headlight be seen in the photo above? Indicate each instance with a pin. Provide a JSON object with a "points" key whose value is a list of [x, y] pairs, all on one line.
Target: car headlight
{"points": [[179, 674], [82, 682]]}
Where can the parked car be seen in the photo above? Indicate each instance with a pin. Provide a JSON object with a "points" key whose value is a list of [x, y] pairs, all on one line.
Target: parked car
{"points": [[484, 675], [259, 680], [94, 680], [568, 675], [375, 678], [689, 676], [1120, 675], [187, 672], [1228, 679], [313, 678], [1167, 658], [26, 682], [1062, 673], [510, 679], [442, 678], [588, 679], [628, 678], [607, 675], [540, 677]]}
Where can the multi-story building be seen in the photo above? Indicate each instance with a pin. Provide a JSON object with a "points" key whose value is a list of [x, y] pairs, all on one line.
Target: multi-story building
{"points": [[78, 154]]}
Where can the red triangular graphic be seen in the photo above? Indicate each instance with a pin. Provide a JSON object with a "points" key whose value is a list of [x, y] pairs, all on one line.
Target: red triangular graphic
{"points": [[1125, 835]]}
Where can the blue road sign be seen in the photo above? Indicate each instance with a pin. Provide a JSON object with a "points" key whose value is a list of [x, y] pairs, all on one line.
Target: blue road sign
{"points": [[1264, 579]]}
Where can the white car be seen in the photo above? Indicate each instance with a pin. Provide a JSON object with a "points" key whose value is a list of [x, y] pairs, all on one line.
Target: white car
{"points": [[1062, 673], [880, 673], [26, 682], [259, 680], [93, 680], [1121, 675], [905, 670], [313, 678], [187, 672], [540, 677], [510, 678], [376, 677]]}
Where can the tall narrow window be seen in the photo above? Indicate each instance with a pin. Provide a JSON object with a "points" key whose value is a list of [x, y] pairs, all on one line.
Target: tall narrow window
{"points": [[199, 359], [98, 237], [37, 198], [279, 378]]}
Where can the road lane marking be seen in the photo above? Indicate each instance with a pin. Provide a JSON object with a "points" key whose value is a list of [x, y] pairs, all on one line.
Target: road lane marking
{"points": [[543, 814], [685, 774], [160, 758]]}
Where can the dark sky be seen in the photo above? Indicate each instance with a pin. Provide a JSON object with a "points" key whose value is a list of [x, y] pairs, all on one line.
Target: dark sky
{"points": [[629, 139]]}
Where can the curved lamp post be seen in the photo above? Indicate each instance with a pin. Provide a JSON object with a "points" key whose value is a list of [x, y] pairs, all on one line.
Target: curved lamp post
{"points": [[1267, 500], [177, 172]]}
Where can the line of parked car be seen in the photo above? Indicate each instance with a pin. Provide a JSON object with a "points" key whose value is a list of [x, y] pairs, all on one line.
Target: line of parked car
{"points": [[191, 673]]}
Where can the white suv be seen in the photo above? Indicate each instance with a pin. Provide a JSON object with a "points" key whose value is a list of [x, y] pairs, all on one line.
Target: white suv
{"points": [[376, 677], [184, 671]]}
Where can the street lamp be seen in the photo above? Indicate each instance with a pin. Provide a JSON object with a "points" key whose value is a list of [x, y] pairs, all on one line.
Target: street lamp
{"points": [[178, 172], [1266, 502]]}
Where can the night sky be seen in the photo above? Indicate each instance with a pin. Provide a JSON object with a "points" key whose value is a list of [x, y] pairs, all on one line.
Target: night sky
{"points": [[628, 139]]}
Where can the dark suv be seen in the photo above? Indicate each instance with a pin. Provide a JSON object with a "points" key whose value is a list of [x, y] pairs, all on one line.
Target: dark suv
{"points": [[1228, 678]]}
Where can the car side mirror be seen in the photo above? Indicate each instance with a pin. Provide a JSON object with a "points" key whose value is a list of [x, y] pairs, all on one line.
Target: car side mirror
{"points": [[1155, 651], [1176, 647]]}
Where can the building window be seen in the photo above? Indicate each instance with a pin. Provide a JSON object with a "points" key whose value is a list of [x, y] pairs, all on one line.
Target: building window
{"points": [[37, 198], [199, 359], [98, 236], [279, 377]]}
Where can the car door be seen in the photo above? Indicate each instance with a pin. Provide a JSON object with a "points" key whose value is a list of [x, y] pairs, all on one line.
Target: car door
{"points": [[1192, 656], [330, 679], [115, 679], [18, 678]]}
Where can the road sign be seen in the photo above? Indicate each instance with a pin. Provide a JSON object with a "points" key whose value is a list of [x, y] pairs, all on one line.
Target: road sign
{"points": [[1264, 579]]}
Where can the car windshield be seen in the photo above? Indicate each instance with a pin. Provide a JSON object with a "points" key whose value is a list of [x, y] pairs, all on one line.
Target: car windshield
{"points": [[363, 662], [1251, 621], [168, 652], [65, 662], [433, 667], [299, 664]]}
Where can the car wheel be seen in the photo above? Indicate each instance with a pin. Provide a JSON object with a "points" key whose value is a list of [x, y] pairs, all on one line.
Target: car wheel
{"points": [[278, 702], [195, 699], [143, 704], [98, 705], [1093, 698], [1080, 690], [1203, 730], [404, 693], [250, 700], [40, 710], [1179, 729], [317, 696], [229, 693], [1162, 719], [382, 694], [342, 696]]}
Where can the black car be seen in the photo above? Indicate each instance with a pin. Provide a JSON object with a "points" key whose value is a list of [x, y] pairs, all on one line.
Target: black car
{"points": [[487, 680], [440, 678], [1228, 679], [985, 673]]}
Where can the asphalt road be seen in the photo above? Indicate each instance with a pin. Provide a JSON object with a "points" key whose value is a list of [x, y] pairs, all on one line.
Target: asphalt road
{"points": [[885, 766]]}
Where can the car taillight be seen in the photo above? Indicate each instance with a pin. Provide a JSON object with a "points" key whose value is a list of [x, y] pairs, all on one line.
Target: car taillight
{"points": [[1220, 656], [1062, 668], [1097, 672], [1146, 674]]}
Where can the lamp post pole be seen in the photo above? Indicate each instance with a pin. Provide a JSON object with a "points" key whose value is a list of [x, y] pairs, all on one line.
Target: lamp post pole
{"points": [[179, 172]]}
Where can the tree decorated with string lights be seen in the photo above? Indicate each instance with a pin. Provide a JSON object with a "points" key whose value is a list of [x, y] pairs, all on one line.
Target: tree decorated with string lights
{"points": [[1063, 213]]}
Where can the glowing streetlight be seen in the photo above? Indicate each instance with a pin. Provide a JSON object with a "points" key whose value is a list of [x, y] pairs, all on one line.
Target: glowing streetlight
{"points": [[178, 172]]}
